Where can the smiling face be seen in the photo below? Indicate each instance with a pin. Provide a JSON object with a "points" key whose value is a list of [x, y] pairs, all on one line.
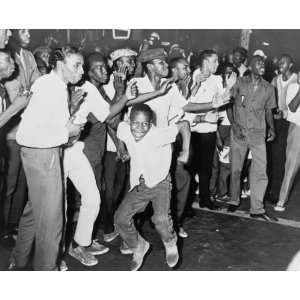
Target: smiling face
{"points": [[73, 68], [257, 66], [140, 124]]}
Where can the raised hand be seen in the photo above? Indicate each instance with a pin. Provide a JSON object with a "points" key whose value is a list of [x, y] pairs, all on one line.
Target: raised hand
{"points": [[131, 90], [165, 86], [230, 80], [21, 101], [119, 82], [183, 157], [76, 99]]}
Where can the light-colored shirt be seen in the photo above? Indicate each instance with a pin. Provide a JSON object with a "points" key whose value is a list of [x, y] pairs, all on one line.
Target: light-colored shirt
{"points": [[93, 103], [151, 156], [242, 69], [293, 117], [282, 87], [208, 89], [167, 107], [43, 123]]}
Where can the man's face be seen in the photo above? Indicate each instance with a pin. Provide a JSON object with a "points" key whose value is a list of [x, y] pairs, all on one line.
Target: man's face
{"points": [[285, 65], [160, 67], [7, 65], [45, 57], [129, 61], [73, 68], [237, 58], [182, 70], [98, 71], [212, 63], [24, 36], [139, 125], [258, 66], [5, 34]]}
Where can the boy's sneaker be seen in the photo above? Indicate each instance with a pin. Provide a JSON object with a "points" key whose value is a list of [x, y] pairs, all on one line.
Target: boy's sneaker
{"points": [[138, 257], [110, 236], [124, 249], [172, 255], [182, 233], [83, 255], [224, 198], [97, 249]]}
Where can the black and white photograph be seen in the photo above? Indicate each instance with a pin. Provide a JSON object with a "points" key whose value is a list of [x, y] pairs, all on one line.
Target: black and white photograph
{"points": [[149, 149]]}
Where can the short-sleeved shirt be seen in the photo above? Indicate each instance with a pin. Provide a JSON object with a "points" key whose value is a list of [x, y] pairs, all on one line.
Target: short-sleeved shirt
{"points": [[211, 87], [96, 110], [151, 156], [250, 105], [165, 107], [293, 117]]}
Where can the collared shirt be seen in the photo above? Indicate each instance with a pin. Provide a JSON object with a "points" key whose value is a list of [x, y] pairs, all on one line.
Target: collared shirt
{"points": [[151, 156], [209, 88], [282, 87], [250, 107], [291, 93], [166, 107], [43, 123]]}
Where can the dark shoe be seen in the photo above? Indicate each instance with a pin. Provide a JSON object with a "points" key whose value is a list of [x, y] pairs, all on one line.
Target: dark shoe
{"points": [[232, 208], [209, 204], [264, 217]]}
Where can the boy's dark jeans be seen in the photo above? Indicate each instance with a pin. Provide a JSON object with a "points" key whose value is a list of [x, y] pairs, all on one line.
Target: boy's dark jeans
{"points": [[135, 202]]}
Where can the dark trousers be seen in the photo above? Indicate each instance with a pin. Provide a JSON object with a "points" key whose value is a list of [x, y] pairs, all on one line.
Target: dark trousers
{"points": [[16, 187], [41, 224], [276, 158], [135, 202], [203, 152], [115, 185]]}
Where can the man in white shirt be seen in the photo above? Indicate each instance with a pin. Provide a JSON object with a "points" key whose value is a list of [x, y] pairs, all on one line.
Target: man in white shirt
{"points": [[277, 149], [44, 128], [292, 163], [150, 151]]}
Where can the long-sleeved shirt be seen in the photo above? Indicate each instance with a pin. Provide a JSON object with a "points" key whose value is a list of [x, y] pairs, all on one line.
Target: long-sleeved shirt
{"points": [[43, 123]]}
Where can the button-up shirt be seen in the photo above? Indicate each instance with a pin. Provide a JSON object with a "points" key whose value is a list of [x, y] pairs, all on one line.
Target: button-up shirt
{"points": [[151, 156], [43, 123], [166, 107], [250, 105], [293, 117]]}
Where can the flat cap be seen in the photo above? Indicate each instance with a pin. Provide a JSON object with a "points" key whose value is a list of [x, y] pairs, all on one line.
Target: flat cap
{"points": [[151, 54], [122, 52]]}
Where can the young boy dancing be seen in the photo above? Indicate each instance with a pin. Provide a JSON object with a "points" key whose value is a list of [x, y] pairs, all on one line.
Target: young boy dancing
{"points": [[150, 150]]}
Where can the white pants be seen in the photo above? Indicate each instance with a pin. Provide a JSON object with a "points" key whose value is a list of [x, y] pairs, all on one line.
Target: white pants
{"points": [[78, 169]]}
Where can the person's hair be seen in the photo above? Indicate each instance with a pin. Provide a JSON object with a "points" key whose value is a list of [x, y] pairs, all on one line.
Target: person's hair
{"points": [[204, 55], [59, 54], [174, 61], [242, 51], [93, 57], [287, 56], [141, 108]]}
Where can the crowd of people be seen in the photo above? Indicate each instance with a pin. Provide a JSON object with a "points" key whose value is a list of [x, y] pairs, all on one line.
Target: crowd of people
{"points": [[89, 140]]}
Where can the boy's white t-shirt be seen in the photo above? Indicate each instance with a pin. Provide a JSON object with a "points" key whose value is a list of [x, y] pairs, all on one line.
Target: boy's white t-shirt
{"points": [[151, 156]]}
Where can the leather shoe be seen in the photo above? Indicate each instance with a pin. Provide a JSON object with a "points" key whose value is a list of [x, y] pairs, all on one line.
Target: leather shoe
{"points": [[232, 208], [264, 217], [208, 204]]}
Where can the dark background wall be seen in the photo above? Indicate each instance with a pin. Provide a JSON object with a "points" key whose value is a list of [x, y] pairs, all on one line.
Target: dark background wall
{"points": [[223, 40]]}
